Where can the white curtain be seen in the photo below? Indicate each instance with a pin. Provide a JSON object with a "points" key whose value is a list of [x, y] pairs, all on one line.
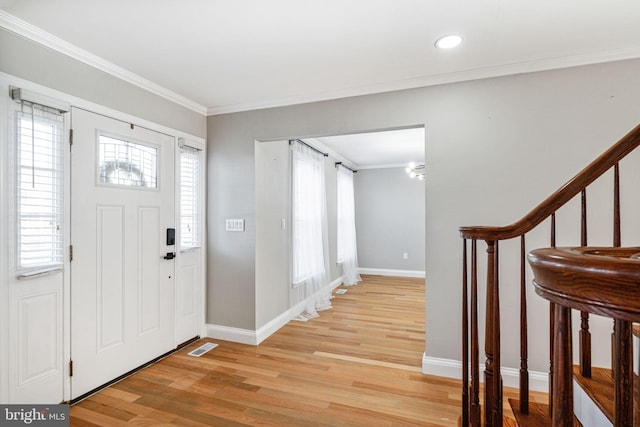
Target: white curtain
{"points": [[347, 246], [309, 246]]}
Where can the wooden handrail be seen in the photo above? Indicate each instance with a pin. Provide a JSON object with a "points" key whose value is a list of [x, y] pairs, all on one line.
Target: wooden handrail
{"points": [[560, 314], [599, 280], [567, 192], [604, 281]]}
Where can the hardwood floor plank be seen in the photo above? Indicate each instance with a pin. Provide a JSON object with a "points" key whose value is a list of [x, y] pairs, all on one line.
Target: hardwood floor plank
{"points": [[358, 364]]}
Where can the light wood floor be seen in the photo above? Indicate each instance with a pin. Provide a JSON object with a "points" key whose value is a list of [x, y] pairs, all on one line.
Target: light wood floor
{"points": [[358, 364]]}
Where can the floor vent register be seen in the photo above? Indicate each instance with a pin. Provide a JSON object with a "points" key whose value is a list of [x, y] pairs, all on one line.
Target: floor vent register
{"points": [[202, 349]]}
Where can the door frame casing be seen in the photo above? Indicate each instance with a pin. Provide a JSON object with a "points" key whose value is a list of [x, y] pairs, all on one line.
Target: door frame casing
{"points": [[7, 80]]}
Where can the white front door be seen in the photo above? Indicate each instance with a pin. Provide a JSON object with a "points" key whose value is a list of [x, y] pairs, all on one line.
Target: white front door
{"points": [[122, 287]]}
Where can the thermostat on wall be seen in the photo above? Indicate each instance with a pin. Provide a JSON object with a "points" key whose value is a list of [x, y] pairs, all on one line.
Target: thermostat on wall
{"points": [[234, 225]]}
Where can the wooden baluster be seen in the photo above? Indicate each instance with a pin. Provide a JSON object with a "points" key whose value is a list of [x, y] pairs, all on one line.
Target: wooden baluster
{"points": [[489, 340], [524, 350], [551, 323], [583, 218], [562, 413], [616, 206], [465, 339], [623, 393], [497, 366], [475, 342], [585, 345], [584, 335], [616, 243], [553, 230]]}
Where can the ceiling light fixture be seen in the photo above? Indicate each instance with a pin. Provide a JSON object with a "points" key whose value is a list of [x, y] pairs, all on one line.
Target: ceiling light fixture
{"points": [[415, 170], [448, 42]]}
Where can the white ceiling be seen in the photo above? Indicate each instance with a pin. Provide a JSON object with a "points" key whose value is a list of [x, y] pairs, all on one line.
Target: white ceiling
{"points": [[220, 56], [217, 56], [393, 148]]}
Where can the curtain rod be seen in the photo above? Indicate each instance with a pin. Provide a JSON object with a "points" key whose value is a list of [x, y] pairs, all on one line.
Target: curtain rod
{"points": [[346, 167], [313, 148]]}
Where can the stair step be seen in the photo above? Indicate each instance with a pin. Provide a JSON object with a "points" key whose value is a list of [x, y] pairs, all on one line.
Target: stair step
{"points": [[506, 421], [599, 388], [538, 415]]}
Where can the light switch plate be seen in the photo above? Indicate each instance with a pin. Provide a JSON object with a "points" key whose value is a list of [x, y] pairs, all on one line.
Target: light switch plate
{"points": [[234, 224]]}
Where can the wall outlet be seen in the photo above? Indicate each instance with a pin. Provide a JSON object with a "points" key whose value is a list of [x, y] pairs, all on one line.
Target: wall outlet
{"points": [[405, 255]]}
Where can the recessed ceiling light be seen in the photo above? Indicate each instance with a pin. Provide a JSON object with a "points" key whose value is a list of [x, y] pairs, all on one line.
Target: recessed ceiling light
{"points": [[448, 41]]}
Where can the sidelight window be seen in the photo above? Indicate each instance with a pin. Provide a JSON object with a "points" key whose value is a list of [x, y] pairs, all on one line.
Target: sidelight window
{"points": [[39, 186], [190, 199]]}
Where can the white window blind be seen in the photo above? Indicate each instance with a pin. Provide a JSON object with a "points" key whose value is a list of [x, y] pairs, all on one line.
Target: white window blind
{"points": [[190, 201], [39, 186]]}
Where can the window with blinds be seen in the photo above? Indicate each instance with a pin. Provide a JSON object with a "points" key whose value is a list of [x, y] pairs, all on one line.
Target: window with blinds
{"points": [[40, 186], [190, 203]]}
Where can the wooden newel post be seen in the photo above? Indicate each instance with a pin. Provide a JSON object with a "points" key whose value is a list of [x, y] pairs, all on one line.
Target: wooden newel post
{"points": [[492, 383], [623, 363], [562, 412]]}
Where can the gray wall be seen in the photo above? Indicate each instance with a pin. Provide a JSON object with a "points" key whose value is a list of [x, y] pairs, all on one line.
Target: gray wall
{"points": [[389, 219], [494, 148], [274, 294], [272, 242], [28, 60]]}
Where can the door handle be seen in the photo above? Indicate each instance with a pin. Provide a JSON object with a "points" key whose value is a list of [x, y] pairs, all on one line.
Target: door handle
{"points": [[170, 255]]}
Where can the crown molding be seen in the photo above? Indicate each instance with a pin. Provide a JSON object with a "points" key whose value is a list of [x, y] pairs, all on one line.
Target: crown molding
{"points": [[35, 34], [543, 64]]}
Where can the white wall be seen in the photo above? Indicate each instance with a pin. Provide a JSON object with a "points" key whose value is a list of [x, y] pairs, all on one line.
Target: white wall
{"points": [[390, 219], [495, 148]]}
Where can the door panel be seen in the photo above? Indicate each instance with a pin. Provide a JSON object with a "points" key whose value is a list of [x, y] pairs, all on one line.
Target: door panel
{"points": [[122, 289], [39, 345]]}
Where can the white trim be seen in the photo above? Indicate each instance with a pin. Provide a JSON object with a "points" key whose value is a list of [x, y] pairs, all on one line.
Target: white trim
{"points": [[228, 333], [4, 248], [272, 326], [299, 307], [390, 272], [247, 336], [585, 409], [389, 166], [450, 368], [439, 79], [59, 45], [97, 108]]}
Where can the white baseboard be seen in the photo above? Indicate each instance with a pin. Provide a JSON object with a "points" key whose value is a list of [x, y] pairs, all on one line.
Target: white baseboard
{"points": [[247, 336], [227, 333], [299, 307], [450, 368], [389, 272]]}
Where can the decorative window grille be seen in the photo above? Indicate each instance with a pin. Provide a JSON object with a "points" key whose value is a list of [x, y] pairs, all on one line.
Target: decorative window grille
{"points": [[39, 186], [127, 163], [190, 200]]}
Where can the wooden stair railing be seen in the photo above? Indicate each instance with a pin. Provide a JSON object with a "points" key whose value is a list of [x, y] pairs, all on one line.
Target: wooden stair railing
{"points": [[604, 281], [492, 402]]}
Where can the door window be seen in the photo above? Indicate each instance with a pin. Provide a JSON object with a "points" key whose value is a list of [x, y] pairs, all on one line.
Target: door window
{"points": [[127, 163]]}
